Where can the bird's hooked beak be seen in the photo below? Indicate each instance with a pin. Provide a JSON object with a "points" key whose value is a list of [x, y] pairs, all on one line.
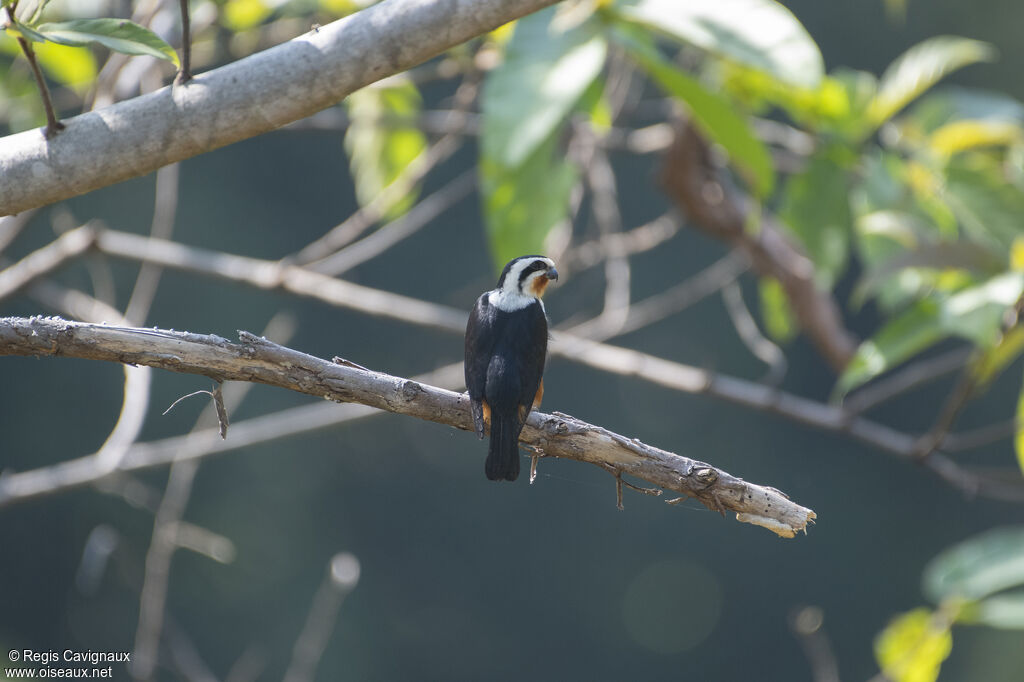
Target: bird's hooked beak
{"points": [[552, 274]]}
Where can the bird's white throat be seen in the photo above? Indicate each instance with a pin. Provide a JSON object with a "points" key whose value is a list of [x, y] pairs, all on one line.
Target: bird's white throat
{"points": [[509, 300]]}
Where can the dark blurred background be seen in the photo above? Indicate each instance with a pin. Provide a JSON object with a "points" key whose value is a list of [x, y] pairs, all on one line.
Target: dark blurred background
{"points": [[462, 578]]}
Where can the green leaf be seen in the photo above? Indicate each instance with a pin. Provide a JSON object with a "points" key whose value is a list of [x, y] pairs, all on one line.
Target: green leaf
{"points": [[381, 139], [714, 114], [921, 67], [961, 255], [816, 208], [543, 75], [1004, 611], [978, 567], [779, 321], [963, 135], [119, 35], [522, 204], [1018, 439], [758, 33], [990, 363], [241, 15], [989, 208], [974, 313], [913, 646], [954, 103], [906, 335], [27, 32], [74, 67]]}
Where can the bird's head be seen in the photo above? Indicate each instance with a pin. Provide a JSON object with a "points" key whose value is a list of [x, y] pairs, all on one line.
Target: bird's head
{"points": [[527, 276]]}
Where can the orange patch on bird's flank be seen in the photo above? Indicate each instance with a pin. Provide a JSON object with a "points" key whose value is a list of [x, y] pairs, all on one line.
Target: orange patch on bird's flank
{"points": [[487, 412], [540, 395]]}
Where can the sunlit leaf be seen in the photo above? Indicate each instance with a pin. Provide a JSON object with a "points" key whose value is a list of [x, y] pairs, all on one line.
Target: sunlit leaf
{"points": [[1018, 439], [758, 33], [779, 321], [594, 103], [543, 75], [523, 203], [1004, 611], [955, 103], [913, 646], [962, 255], [978, 567], [72, 66], [960, 136], [816, 208], [921, 67], [241, 15], [340, 8], [999, 357], [905, 336], [27, 32], [974, 313], [37, 12], [379, 145], [715, 115], [119, 35]]}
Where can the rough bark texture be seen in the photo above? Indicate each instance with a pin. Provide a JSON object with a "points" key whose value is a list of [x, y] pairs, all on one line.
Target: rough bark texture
{"points": [[258, 360], [243, 99]]}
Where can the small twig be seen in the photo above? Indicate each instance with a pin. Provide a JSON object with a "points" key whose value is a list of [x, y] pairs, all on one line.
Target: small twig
{"points": [[11, 227], [218, 401], [222, 412], [424, 212], [165, 207], [979, 437], [806, 623], [756, 342], [46, 259], [600, 179], [342, 577], [190, 395], [349, 229], [185, 74], [909, 377], [637, 240], [673, 300], [347, 363], [951, 409], [962, 392], [53, 125]]}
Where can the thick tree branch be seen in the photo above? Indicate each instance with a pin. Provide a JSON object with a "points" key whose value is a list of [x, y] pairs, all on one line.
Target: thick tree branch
{"points": [[246, 98], [692, 181], [258, 360], [268, 275]]}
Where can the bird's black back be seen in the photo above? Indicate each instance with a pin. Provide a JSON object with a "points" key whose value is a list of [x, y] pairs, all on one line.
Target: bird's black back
{"points": [[505, 353]]}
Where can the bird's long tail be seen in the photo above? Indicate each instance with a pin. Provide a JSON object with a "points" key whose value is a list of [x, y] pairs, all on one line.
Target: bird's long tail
{"points": [[503, 453]]}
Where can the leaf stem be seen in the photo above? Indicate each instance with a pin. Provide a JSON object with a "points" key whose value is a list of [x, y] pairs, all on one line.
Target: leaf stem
{"points": [[53, 126], [185, 73]]}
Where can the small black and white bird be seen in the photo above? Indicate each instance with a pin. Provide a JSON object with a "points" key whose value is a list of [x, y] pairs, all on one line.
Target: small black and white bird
{"points": [[506, 344]]}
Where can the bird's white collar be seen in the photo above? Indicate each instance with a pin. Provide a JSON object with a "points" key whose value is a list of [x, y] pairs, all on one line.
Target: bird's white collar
{"points": [[509, 301]]}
